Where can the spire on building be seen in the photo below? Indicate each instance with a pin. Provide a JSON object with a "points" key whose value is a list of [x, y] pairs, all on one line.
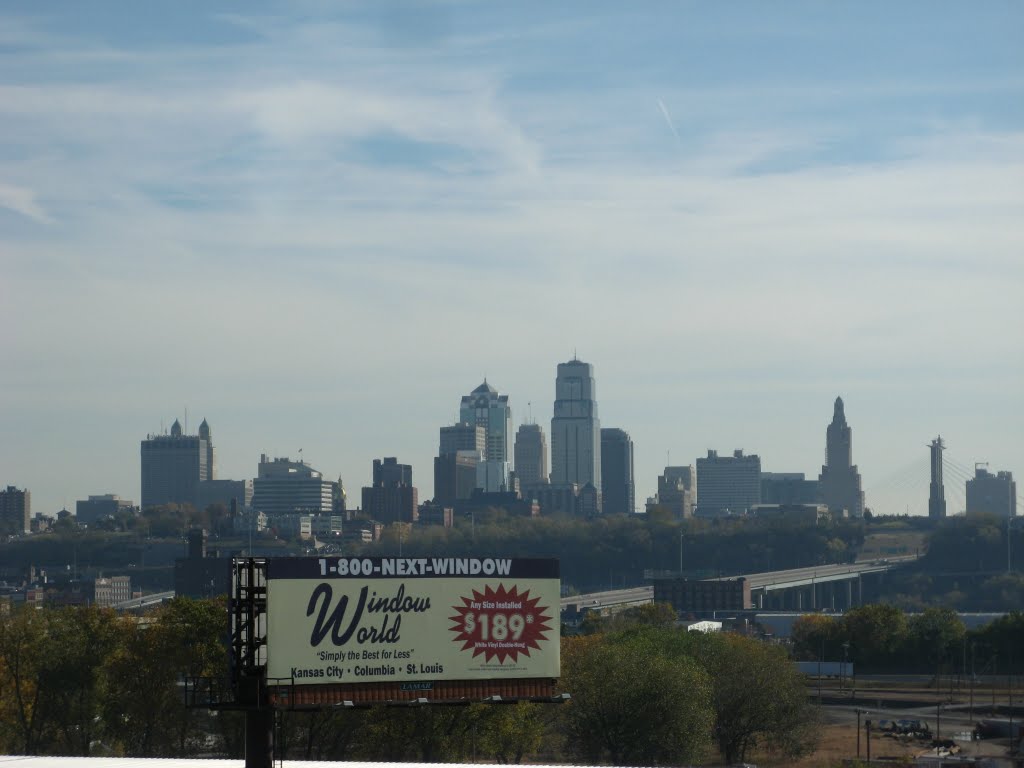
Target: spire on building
{"points": [[838, 415], [176, 429], [204, 430]]}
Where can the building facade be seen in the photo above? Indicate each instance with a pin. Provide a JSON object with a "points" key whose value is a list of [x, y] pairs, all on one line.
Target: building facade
{"points": [[392, 498], [677, 491], [839, 482], [285, 487], [575, 427], [462, 437], [88, 511], [531, 455], [788, 488], [455, 476], [173, 466], [226, 492], [995, 494], [728, 484], [15, 511], [618, 489], [485, 407]]}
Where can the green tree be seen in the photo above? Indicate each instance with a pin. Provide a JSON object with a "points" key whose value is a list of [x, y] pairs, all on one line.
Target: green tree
{"points": [[632, 703], [508, 733], [877, 634], [759, 698], [23, 635]]}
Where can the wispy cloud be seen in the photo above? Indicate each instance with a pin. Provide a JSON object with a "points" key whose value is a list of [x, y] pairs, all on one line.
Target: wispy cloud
{"points": [[23, 201]]}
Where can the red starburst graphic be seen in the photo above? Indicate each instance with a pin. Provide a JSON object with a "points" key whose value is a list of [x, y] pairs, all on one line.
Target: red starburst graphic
{"points": [[500, 623]]}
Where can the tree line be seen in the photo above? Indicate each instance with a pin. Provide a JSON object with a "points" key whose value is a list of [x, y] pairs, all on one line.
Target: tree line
{"points": [[86, 681], [883, 638]]}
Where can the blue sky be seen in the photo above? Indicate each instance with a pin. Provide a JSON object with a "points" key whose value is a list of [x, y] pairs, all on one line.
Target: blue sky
{"points": [[318, 225]]}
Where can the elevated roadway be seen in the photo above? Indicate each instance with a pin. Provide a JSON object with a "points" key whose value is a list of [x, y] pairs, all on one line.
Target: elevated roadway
{"points": [[805, 588]]}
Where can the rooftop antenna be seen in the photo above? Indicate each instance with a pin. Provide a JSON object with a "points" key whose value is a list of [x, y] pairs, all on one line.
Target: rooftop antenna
{"points": [[529, 406], [186, 421]]}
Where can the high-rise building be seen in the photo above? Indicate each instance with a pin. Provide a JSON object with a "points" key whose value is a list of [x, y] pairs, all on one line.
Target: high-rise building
{"points": [[728, 484], [15, 511], [286, 487], [677, 491], [531, 455], [455, 476], [839, 481], [484, 407], [788, 488], [173, 466], [995, 494], [392, 497], [462, 437], [936, 491], [575, 427], [618, 490]]}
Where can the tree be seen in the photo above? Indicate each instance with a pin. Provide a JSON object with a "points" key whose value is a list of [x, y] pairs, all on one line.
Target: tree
{"points": [[22, 637], [510, 732], [631, 703], [935, 635], [759, 698], [876, 634]]}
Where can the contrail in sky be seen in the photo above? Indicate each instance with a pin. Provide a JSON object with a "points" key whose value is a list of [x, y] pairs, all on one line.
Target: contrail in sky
{"points": [[668, 119]]}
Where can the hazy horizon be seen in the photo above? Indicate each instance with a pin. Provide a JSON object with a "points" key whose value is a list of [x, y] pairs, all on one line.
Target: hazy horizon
{"points": [[319, 227]]}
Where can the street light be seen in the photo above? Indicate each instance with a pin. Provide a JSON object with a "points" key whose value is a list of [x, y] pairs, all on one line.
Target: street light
{"points": [[842, 673]]}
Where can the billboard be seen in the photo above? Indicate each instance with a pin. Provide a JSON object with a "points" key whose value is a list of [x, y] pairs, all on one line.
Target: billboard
{"points": [[411, 620]]}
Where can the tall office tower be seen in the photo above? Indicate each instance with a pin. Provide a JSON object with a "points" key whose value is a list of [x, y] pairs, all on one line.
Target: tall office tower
{"points": [[173, 466], [204, 434], [995, 494], [531, 455], [936, 491], [677, 491], [618, 490], [392, 497], [285, 487], [485, 408], [462, 437], [15, 511], [839, 481], [575, 428], [728, 484]]}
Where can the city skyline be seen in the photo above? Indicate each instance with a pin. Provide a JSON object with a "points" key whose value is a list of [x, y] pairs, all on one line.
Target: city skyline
{"points": [[277, 218]]}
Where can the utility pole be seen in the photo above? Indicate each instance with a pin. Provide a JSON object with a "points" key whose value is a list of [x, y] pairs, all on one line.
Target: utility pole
{"points": [[867, 728]]}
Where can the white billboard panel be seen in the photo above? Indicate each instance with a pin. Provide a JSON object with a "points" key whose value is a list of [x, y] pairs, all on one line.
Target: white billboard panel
{"points": [[364, 620]]}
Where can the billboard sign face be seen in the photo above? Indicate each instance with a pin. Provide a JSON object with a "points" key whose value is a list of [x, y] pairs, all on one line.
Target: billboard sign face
{"points": [[408, 620]]}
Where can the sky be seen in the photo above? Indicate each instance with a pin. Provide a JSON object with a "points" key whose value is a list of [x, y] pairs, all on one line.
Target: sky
{"points": [[318, 225]]}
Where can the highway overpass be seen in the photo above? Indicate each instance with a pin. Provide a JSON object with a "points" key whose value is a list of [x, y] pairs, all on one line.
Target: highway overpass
{"points": [[818, 587]]}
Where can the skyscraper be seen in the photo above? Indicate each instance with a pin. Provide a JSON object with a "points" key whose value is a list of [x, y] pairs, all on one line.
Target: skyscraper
{"points": [[839, 481], [618, 491], [575, 428], [485, 408], [531, 455], [728, 483], [462, 437], [173, 466], [936, 491]]}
